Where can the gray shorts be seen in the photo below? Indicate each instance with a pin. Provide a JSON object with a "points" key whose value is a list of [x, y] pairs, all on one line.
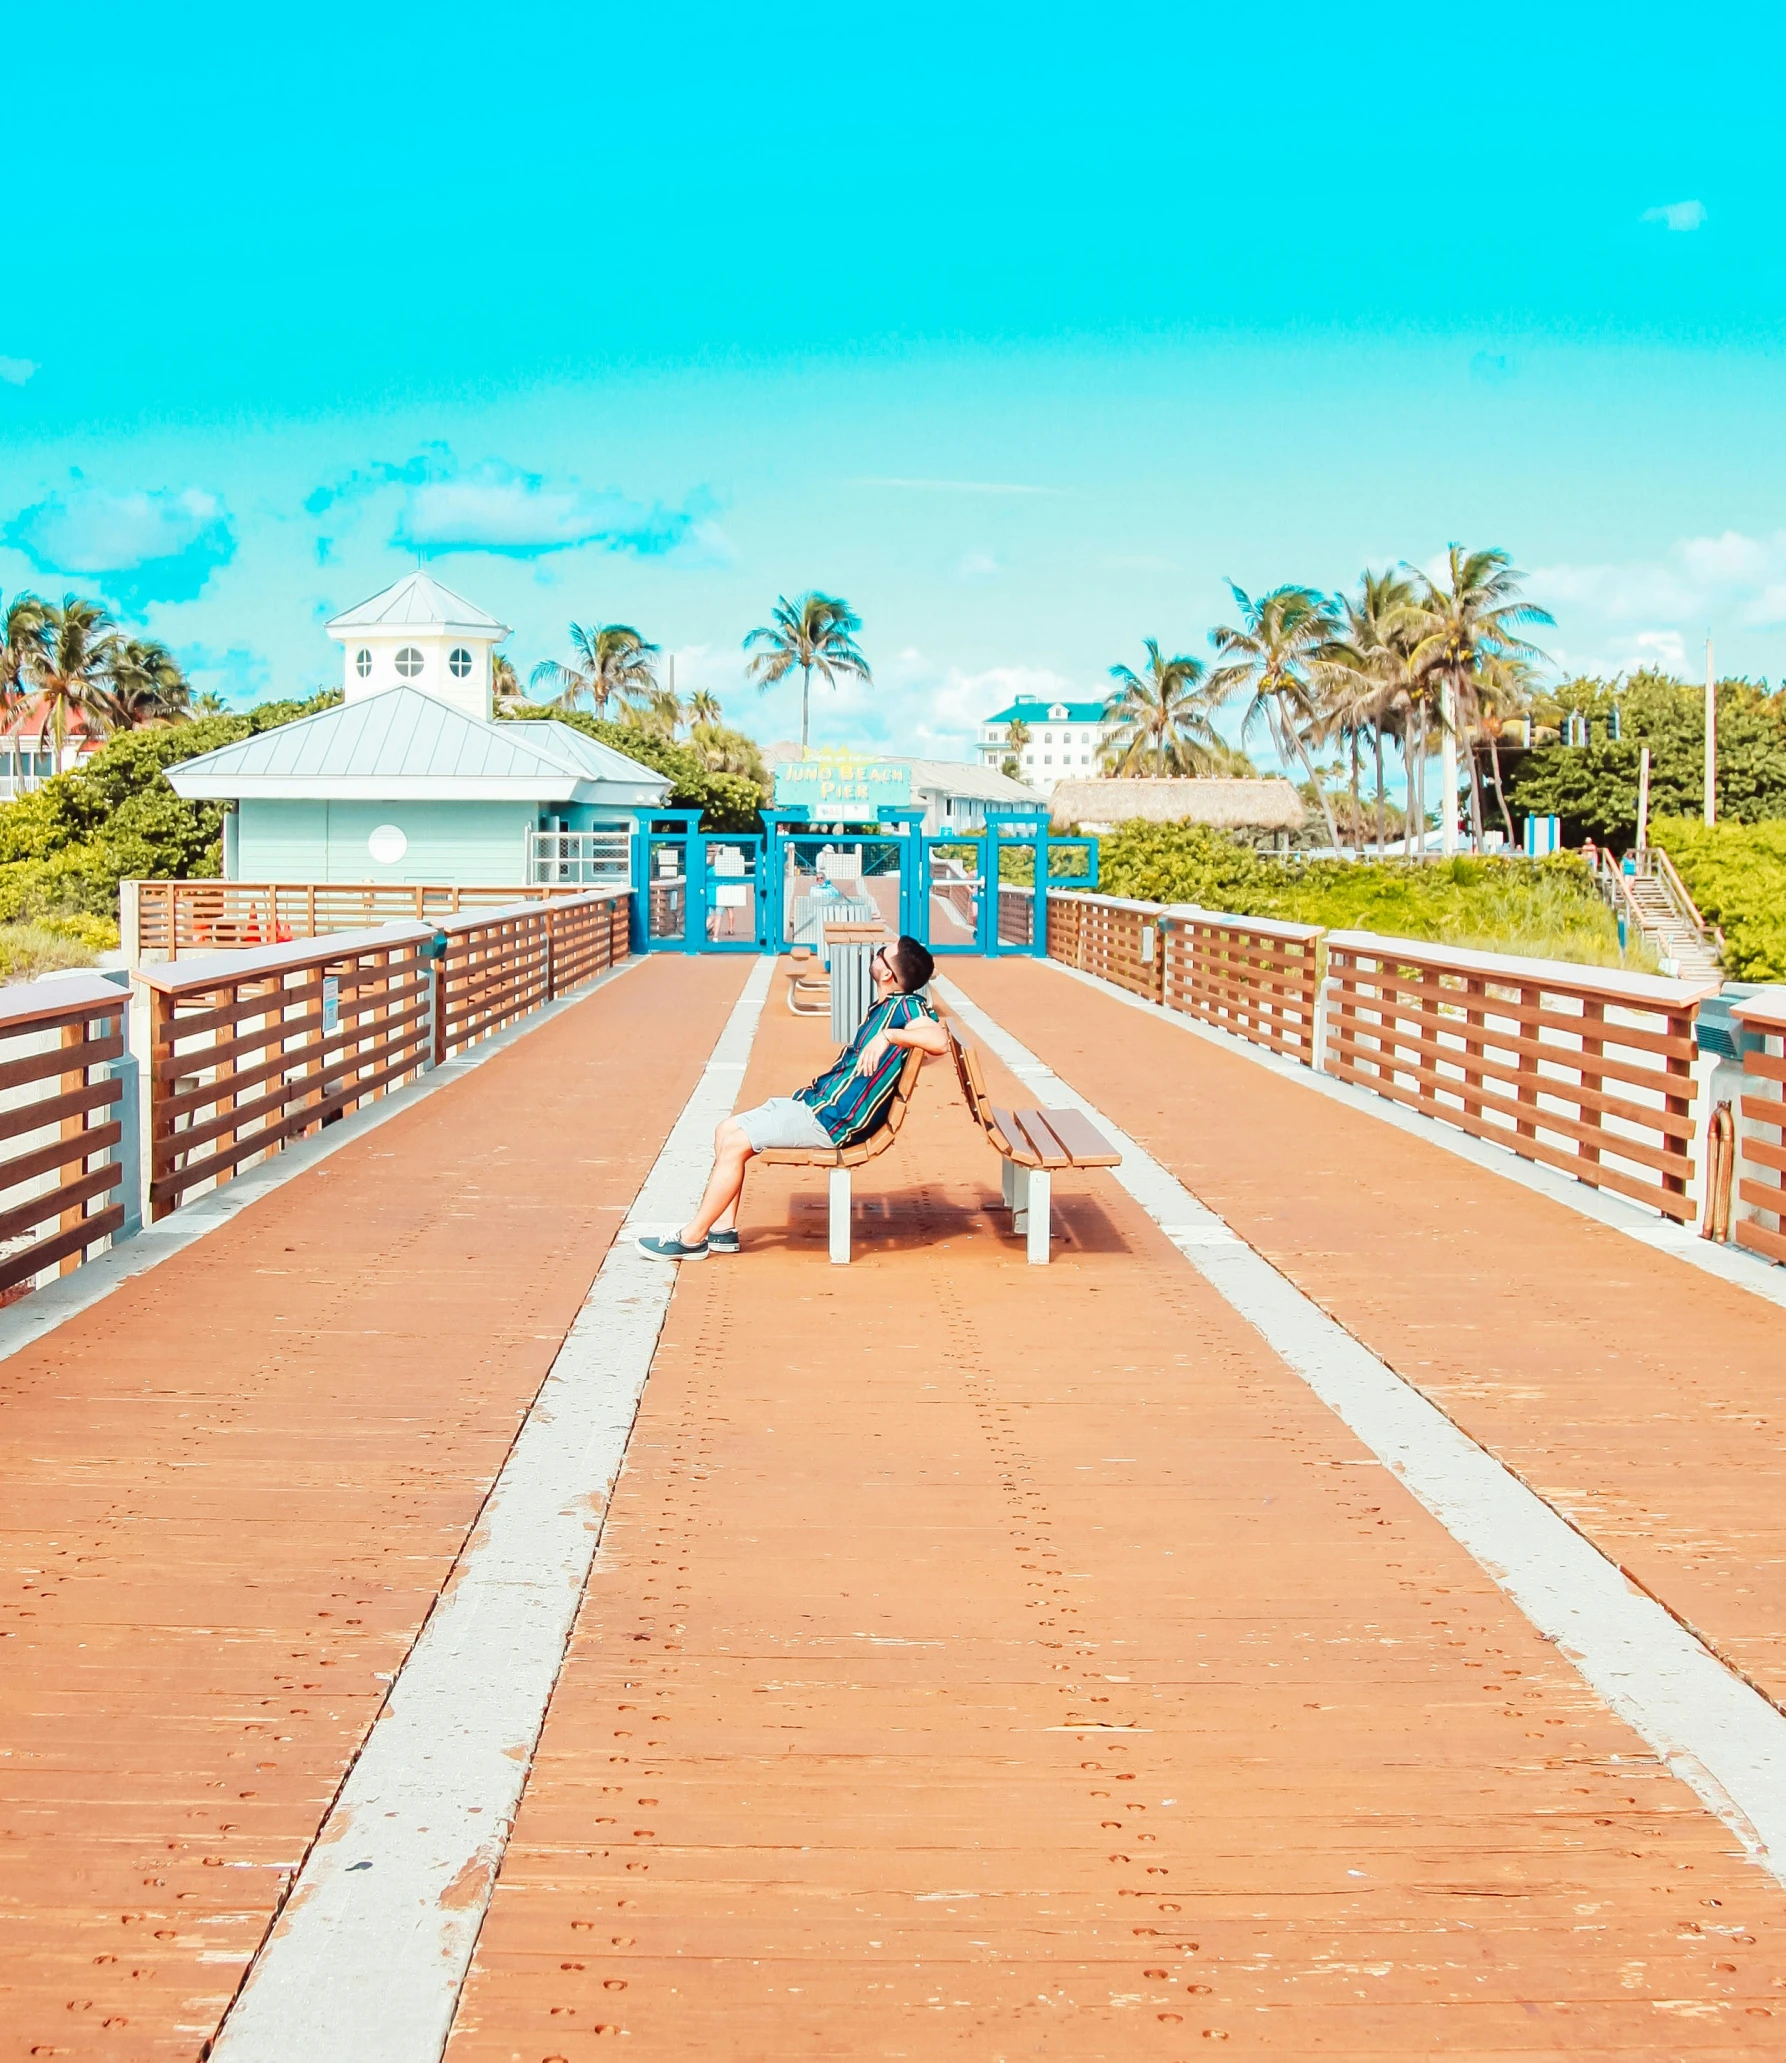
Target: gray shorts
{"points": [[782, 1122]]}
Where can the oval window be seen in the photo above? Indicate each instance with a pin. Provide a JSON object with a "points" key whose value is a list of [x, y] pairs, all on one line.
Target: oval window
{"points": [[362, 664], [387, 845], [410, 662], [459, 660]]}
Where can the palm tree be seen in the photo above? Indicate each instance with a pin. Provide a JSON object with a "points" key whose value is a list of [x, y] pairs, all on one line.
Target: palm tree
{"points": [[505, 682], [613, 663], [1276, 656], [21, 637], [652, 711], [1017, 735], [1463, 628], [146, 686], [1370, 678], [725, 751], [210, 703], [703, 707], [1164, 713], [71, 668], [814, 632]]}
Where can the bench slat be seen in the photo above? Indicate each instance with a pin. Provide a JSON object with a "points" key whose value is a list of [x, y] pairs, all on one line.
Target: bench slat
{"points": [[1082, 1139], [1010, 1138], [1049, 1150]]}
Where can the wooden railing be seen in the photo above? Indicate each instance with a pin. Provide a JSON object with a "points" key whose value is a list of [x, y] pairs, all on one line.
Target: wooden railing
{"points": [[254, 1048], [1016, 914], [171, 918], [1762, 1188], [251, 1049], [68, 1125], [1253, 976], [1581, 1069], [1107, 936]]}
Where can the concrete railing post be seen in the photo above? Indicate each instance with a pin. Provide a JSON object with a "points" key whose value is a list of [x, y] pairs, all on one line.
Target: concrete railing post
{"points": [[127, 1155]]}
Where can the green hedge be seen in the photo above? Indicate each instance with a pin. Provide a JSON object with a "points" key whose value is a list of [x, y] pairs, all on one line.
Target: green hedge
{"points": [[65, 847], [1736, 873], [1547, 909]]}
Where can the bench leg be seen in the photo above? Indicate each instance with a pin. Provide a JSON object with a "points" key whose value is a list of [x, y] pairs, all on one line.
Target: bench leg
{"points": [[839, 1183], [1017, 1194], [1040, 1185]]}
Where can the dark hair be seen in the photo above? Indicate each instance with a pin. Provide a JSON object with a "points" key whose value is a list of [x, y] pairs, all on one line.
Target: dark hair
{"points": [[912, 963]]}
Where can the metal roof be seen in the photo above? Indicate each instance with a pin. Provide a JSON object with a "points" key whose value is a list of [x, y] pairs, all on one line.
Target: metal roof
{"points": [[417, 602], [404, 744], [962, 778], [1033, 709]]}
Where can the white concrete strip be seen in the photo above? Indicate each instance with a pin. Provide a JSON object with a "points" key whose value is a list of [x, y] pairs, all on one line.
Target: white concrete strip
{"points": [[1715, 1732], [365, 1963], [28, 1320], [1732, 1264]]}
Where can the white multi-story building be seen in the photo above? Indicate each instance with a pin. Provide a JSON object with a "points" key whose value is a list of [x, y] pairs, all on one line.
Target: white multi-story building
{"points": [[1064, 742]]}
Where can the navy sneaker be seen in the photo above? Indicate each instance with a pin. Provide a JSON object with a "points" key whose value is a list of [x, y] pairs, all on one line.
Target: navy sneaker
{"points": [[671, 1249], [723, 1243]]}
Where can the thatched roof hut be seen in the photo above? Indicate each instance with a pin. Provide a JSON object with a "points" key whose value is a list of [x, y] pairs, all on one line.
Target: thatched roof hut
{"points": [[1270, 805]]}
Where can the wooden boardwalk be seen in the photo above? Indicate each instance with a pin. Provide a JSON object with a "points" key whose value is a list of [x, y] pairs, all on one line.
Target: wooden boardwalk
{"points": [[980, 1660]]}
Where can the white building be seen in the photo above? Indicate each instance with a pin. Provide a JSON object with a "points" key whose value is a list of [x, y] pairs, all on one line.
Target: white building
{"points": [[419, 634], [1064, 742]]}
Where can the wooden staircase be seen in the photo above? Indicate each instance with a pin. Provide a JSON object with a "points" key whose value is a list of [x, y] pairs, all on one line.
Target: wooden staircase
{"points": [[1654, 900]]}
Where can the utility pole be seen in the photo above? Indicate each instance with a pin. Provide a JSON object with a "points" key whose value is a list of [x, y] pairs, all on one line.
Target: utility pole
{"points": [[1711, 737], [1643, 801]]}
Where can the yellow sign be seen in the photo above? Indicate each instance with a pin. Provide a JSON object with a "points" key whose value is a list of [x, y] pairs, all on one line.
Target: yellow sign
{"points": [[842, 785]]}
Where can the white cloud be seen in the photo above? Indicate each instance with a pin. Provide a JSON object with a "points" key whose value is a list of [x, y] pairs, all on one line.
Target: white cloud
{"points": [[976, 566], [443, 506], [1654, 612], [16, 371], [1677, 215], [144, 544]]}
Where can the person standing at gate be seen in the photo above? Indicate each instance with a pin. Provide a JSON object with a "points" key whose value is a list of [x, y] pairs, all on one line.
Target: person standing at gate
{"points": [[842, 1105]]}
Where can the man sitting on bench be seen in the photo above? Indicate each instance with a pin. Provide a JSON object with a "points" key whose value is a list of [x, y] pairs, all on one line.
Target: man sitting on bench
{"points": [[845, 1103]]}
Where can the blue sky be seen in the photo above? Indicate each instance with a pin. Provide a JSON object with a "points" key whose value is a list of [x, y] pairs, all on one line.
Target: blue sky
{"points": [[1021, 327]]}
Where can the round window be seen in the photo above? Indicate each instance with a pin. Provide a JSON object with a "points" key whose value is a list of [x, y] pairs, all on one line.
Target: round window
{"points": [[410, 662], [387, 845], [459, 662], [362, 664]]}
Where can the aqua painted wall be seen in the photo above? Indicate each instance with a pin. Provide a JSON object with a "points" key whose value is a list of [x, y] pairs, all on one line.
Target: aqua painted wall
{"points": [[471, 843]]}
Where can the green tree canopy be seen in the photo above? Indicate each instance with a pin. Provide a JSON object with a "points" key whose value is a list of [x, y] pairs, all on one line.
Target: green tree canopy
{"points": [[1593, 787]]}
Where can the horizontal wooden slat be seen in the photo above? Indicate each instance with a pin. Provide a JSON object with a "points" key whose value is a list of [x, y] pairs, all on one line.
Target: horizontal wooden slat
{"points": [[59, 1060], [52, 1110], [58, 1153], [1759, 1240], [53, 1202], [30, 1260]]}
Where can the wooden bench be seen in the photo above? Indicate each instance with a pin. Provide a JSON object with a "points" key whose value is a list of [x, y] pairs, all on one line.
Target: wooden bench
{"points": [[809, 986], [843, 1160], [1033, 1145]]}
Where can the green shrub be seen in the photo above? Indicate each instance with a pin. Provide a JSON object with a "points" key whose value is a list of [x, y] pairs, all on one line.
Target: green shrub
{"points": [[1544, 909], [65, 846], [1736, 873], [28, 950]]}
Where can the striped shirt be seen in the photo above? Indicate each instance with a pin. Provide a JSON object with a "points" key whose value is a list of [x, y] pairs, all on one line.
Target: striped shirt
{"points": [[849, 1105]]}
